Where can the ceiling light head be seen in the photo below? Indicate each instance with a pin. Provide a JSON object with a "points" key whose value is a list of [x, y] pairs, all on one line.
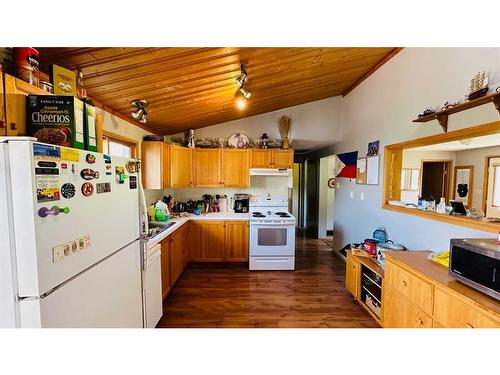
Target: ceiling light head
{"points": [[139, 113], [241, 103], [246, 94]]}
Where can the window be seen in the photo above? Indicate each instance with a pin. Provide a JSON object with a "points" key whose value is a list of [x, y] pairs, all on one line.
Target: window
{"points": [[118, 146]]}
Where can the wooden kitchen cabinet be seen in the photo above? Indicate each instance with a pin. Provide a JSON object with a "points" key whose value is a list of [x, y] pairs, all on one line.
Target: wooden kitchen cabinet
{"points": [[237, 241], [181, 166], [235, 168], [207, 168], [176, 256], [261, 158], [185, 244], [412, 287], [165, 267], [155, 157], [451, 312], [420, 293], [213, 241], [218, 241], [265, 158], [16, 91], [353, 275], [400, 313], [282, 158]]}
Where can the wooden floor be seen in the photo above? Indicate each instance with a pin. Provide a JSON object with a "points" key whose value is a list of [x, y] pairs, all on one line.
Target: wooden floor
{"points": [[228, 295]]}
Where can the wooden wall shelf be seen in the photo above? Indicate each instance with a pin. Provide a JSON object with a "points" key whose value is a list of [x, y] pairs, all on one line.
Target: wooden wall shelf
{"points": [[442, 116]]}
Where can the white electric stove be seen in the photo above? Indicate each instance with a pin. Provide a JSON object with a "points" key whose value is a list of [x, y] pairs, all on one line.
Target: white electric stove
{"points": [[272, 234]]}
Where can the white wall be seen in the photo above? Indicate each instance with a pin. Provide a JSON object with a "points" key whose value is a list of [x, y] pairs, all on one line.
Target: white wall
{"points": [[382, 107], [313, 124]]}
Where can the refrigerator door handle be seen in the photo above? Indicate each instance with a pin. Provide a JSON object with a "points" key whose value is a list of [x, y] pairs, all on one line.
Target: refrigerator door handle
{"points": [[143, 208]]}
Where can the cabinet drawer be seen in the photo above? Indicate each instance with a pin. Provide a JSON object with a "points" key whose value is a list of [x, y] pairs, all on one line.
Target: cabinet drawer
{"points": [[399, 312], [452, 312], [411, 286]]}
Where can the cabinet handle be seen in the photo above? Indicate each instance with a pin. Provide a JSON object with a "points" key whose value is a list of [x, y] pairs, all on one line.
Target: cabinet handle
{"points": [[13, 126], [468, 325], [2, 124], [420, 321], [404, 282]]}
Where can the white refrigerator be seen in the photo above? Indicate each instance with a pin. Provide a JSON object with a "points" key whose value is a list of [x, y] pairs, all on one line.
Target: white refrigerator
{"points": [[70, 250]]}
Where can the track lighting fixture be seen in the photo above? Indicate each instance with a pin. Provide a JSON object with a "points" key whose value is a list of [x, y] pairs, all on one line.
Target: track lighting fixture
{"points": [[242, 81], [140, 110]]}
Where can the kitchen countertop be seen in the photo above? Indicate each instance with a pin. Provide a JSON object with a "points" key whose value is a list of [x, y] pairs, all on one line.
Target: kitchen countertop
{"points": [[180, 221], [439, 274]]}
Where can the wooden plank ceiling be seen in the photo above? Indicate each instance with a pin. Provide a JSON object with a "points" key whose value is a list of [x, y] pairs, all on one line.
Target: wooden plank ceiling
{"points": [[196, 87]]}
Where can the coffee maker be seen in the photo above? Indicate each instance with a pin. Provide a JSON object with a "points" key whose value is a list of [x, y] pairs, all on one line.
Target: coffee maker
{"points": [[240, 204]]}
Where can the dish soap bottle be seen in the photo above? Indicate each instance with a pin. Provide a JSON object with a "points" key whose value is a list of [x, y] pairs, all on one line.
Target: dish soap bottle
{"points": [[441, 207]]}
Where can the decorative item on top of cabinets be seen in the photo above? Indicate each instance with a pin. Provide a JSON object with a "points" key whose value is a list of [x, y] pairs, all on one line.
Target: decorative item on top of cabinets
{"points": [[238, 140], [427, 112], [190, 138], [478, 85], [264, 139], [27, 65], [285, 131], [64, 81]]}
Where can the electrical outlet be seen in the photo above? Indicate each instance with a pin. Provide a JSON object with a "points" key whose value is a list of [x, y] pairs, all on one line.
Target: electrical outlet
{"points": [[362, 196], [57, 253], [351, 195]]}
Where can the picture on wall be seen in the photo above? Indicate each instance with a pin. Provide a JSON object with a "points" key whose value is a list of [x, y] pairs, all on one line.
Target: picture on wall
{"points": [[345, 164]]}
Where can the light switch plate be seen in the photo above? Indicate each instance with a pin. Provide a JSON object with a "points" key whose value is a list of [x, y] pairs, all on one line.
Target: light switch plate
{"points": [[362, 196], [351, 195]]}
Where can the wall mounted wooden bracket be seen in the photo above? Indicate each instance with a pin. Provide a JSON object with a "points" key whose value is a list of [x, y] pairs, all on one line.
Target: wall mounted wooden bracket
{"points": [[442, 116]]}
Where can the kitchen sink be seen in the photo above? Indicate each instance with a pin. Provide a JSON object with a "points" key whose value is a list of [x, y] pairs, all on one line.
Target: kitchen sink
{"points": [[156, 228]]}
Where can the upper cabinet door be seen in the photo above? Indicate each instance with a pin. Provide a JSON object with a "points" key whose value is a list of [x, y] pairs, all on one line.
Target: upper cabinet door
{"points": [[166, 166], [261, 158], [235, 168], [152, 165], [282, 159], [207, 168], [181, 165], [16, 91]]}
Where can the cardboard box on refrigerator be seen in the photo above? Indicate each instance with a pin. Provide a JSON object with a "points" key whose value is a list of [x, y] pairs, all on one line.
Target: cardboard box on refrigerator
{"points": [[90, 127], [57, 120]]}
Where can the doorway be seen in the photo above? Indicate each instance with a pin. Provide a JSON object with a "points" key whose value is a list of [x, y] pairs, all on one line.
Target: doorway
{"points": [[435, 179], [493, 188], [326, 198]]}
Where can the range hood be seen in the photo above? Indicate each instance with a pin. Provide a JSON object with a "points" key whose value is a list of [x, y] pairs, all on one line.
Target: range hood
{"points": [[271, 172]]}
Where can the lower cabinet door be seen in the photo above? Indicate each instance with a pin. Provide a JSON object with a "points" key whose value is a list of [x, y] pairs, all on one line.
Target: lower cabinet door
{"points": [[451, 312], [352, 276], [176, 257], [213, 238], [165, 267], [237, 241], [398, 312]]}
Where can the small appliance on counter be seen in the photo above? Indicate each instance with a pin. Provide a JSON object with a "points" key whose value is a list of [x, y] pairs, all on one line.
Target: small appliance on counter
{"points": [[240, 204], [476, 263]]}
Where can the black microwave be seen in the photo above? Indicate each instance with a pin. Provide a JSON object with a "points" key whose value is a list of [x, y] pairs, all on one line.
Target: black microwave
{"points": [[476, 262]]}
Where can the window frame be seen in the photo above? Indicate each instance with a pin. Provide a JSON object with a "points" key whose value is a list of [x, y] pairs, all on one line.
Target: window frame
{"points": [[107, 136]]}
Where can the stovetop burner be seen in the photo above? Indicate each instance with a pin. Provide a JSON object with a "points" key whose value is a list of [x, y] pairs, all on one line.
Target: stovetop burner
{"points": [[283, 214], [258, 214]]}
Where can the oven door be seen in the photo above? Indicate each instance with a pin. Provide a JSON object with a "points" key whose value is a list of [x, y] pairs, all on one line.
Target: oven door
{"points": [[271, 239]]}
